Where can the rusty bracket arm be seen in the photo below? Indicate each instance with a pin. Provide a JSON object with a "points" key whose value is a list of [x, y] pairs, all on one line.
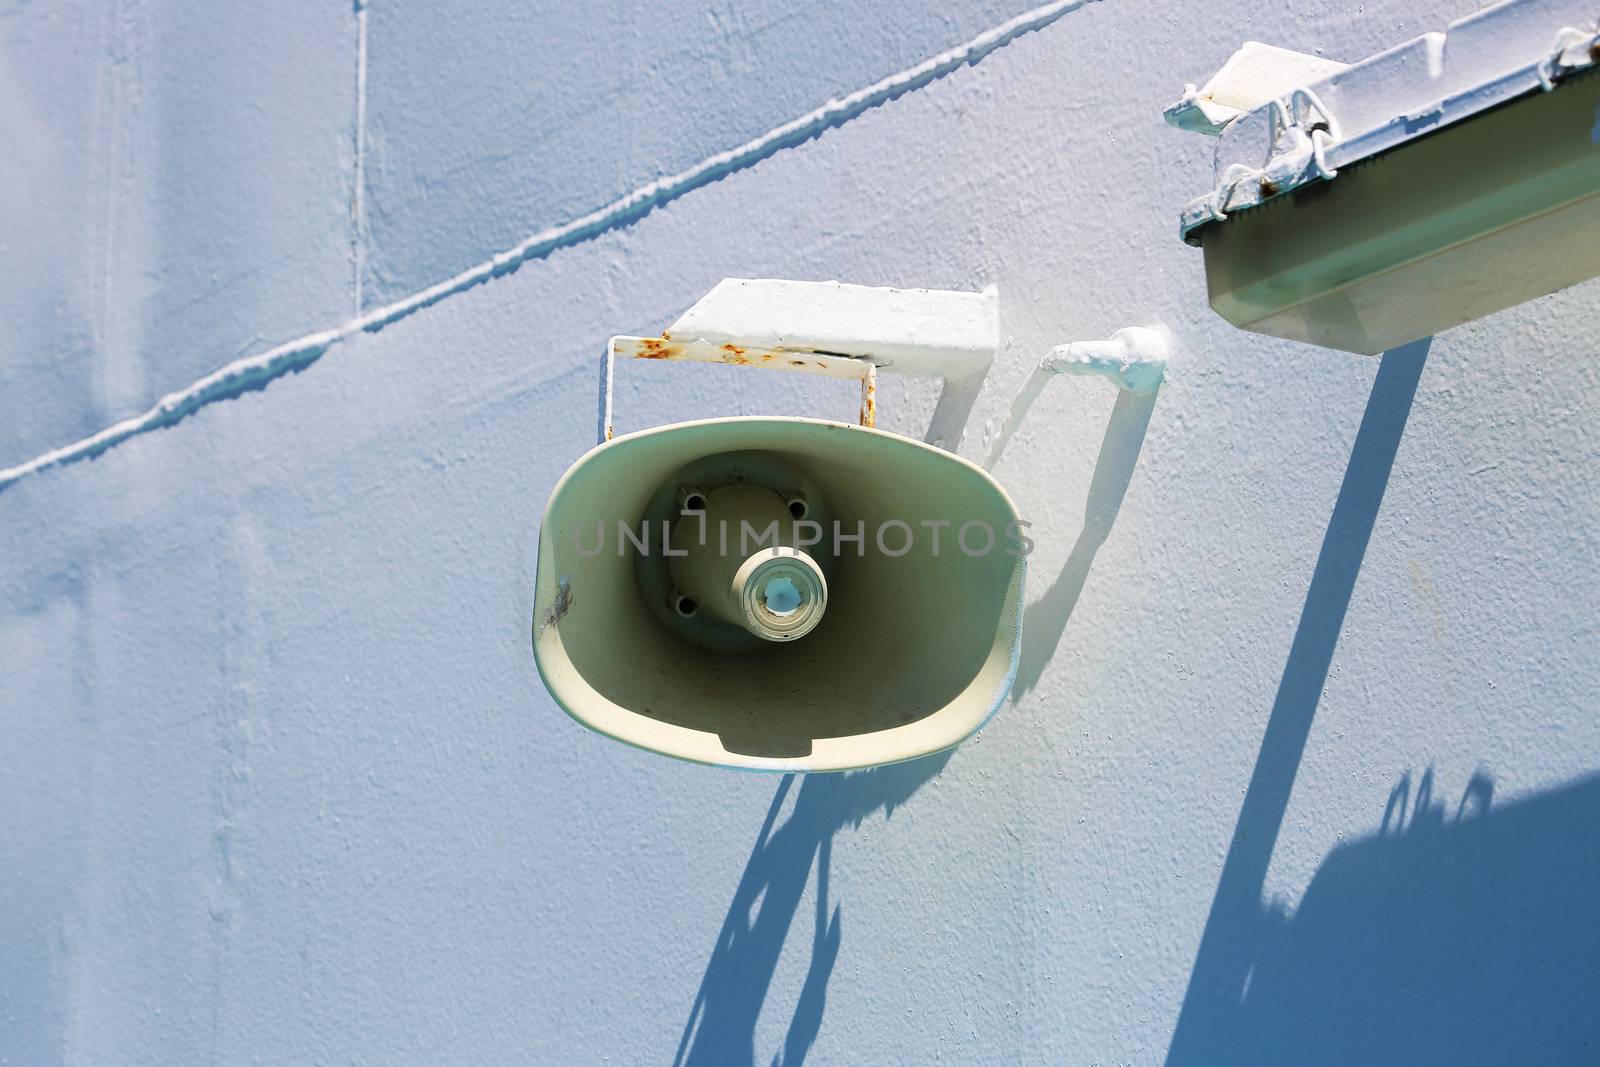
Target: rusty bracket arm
{"points": [[668, 349]]}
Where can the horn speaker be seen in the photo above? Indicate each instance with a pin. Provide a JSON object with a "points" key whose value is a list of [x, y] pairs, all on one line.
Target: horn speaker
{"points": [[778, 593]]}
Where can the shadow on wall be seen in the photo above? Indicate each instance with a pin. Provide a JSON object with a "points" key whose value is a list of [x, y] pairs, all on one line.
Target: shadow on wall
{"points": [[1464, 936], [1228, 945], [722, 1022], [1045, 620]]}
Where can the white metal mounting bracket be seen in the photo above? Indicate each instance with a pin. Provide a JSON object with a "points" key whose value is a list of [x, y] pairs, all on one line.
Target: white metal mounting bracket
{"points": [[1299, 135], [837, 330], [1254, 75]]}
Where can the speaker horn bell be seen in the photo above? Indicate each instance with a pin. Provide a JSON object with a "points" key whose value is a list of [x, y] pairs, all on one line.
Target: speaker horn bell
{"points": [[802, 656]]}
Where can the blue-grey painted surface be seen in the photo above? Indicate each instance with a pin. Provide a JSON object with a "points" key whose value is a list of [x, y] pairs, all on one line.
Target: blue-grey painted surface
{"points": [[1300, 765], [552, 110], [175, 187]]}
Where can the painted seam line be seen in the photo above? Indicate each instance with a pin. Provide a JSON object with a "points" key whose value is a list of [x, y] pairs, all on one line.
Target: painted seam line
{"points": [[254, 372], [358, 217]]}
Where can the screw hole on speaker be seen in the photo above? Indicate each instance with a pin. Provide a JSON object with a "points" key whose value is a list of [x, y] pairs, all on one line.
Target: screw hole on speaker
{"points": [[694, 501], [687, 606], [798, 508]]}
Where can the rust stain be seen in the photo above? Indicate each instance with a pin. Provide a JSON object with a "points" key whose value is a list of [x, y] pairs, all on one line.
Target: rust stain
{"points": [[654, 348], [869, 402], [797, 363], [732, 353]]}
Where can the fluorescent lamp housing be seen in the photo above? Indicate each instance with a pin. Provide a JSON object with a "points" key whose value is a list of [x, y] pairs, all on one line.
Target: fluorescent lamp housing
{"points": [[1430, 185]]}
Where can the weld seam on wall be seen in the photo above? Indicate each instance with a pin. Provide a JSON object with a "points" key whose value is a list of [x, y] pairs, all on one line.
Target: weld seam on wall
{"points": [[254, 372]]}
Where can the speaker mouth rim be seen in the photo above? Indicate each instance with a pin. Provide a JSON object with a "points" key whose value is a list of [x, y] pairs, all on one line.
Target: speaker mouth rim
{"points": [[594, 711]]}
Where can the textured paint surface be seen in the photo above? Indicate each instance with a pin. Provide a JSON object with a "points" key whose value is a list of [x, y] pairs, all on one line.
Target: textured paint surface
{"points": [[1300, 765], [174, 192]]}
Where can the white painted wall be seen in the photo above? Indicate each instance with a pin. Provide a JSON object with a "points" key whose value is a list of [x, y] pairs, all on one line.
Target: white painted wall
{"points": [[278, 782]]}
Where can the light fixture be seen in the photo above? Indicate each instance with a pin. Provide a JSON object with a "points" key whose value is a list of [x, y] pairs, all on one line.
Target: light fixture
{"points": [[1362, 207]]}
